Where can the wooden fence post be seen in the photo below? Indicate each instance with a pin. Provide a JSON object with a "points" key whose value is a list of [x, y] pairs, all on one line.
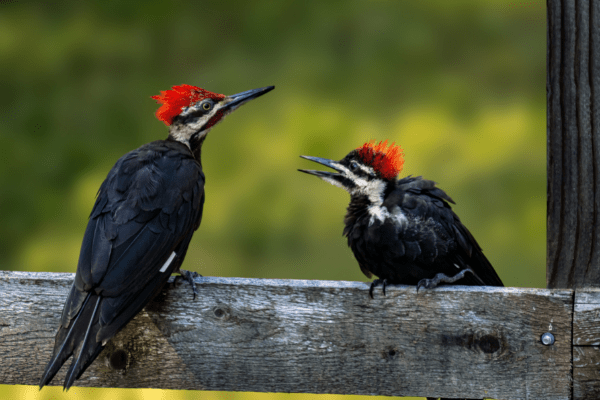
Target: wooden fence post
{"points": [[573, 90], [573, 241]]}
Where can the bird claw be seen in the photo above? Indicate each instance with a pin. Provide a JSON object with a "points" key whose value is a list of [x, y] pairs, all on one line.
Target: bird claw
{"points": [[189, 277], [377, 282], [439, 278]]}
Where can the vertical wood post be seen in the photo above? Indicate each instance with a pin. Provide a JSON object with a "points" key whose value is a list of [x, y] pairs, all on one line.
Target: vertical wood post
{"points": [[573, 96]]}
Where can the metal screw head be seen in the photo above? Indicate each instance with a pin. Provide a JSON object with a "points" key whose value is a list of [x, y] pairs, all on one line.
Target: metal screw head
{"points": [[547, 339]]}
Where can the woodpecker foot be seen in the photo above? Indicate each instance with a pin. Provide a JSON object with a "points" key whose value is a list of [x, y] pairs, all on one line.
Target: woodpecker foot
{"points": [[189, 277], [377, 282], [439, 278]]}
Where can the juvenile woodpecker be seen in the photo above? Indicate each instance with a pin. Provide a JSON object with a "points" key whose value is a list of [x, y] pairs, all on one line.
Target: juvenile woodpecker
{"points": [[138, 233], [403, 231]]}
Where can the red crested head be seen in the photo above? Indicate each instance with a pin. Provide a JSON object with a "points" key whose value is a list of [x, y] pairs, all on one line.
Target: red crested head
{"points": [[179, 97], [386, 161]]}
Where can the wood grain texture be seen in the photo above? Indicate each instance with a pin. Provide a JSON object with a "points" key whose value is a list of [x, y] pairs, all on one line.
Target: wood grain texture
{"points": [[309, 337], [586, 341], [573, 90], [586, 318], [586, 373]]}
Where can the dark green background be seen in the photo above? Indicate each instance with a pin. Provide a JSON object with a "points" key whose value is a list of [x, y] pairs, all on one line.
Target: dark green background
{"points": [[459, 84]]}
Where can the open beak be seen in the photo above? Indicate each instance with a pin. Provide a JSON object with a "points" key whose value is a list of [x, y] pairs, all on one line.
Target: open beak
{"points": [[232, 102], [322, 174]]}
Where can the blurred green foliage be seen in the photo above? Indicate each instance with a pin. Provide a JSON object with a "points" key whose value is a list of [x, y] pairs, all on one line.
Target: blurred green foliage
{"points": [[459, 84]]}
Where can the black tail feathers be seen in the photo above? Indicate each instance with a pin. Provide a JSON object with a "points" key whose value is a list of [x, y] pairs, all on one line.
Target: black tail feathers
{"points": [[85, 325]]}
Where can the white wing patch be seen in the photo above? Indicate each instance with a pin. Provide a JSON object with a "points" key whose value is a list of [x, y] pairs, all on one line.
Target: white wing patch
{"points": [[168, 262]]}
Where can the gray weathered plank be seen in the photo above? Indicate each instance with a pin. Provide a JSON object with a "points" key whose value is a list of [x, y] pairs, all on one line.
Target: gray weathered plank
{"points": [[309, 337], [586, 344], [586, 318], [586, 375]]}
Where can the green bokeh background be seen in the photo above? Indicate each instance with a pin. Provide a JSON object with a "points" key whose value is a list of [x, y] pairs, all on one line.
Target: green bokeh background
{"points": [[459, 84]]}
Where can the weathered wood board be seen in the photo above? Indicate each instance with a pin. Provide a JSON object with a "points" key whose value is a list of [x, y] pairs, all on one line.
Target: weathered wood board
{"points": [[586, 344], [310, 337]]}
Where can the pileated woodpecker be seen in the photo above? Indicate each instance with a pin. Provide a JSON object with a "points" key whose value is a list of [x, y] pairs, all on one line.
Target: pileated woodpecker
{"points": [[403, 231], [145, 214]]}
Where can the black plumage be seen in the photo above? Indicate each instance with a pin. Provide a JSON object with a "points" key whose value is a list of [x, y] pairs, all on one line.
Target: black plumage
{"points": [[140, 227], [431, 241], [403, 231], [147, 209]]}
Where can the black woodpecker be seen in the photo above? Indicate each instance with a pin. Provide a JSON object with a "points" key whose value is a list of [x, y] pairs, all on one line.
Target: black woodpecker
{"points": [[138, 233], [403, 231]]}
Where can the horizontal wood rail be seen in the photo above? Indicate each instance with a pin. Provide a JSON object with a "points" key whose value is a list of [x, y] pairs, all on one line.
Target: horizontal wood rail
{"points": [[267, 335]]}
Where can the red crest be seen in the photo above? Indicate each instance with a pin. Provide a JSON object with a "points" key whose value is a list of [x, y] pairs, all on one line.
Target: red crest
{"points": [[179, 97], [386, 161]]}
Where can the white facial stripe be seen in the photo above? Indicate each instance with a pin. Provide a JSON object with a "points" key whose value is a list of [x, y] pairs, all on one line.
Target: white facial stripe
{"points": [[334, 182], [200, 122], [346, 172], [366, 169], [371, 188], [168, 262], [183, 132], [341, 167]]}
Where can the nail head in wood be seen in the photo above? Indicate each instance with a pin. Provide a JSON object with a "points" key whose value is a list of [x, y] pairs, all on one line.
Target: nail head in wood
{"points": [[547, 339]]}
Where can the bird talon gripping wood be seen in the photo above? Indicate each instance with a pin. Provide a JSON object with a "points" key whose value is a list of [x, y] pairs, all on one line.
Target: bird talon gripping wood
{"points": [[146, 212], [441, 277], [403, 231], [376, 282], [189, 277]]}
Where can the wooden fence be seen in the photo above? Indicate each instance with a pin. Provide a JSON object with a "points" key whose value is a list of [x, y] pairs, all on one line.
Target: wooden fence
{"points": [[266, 335]]}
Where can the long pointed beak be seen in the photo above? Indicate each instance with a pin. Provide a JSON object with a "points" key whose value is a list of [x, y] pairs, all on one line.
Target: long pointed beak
{"points": [[235, 100], [324, 161]]}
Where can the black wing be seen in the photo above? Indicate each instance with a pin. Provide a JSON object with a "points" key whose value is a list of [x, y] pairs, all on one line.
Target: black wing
{"points": [[432, 239], [138, 233]]}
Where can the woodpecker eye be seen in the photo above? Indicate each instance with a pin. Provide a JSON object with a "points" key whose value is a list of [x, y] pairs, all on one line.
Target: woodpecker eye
{"points": [[353, 165], [206, 106]]}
